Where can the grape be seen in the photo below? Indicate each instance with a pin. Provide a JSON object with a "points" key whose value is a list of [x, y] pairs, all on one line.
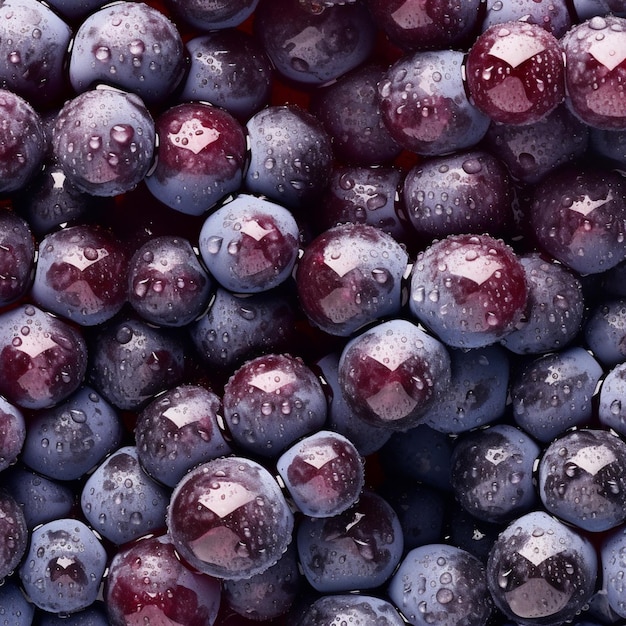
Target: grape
{"points": [[12, 433], [359, 610], [14, 534], [612, 563], [94, 615], [217, 15], [17, 257], [15, 608], [554, 16], [612, 402], [605, 329]]}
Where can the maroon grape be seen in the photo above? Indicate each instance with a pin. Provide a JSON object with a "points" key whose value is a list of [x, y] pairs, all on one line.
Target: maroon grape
{"points": [[17, 257], [14, 535], [200, 157], [229, 519]]}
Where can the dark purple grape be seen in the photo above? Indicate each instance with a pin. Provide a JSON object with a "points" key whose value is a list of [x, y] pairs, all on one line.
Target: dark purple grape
{"points": [[477, 393], [213, 16], [120, 501], [425, 107], [552, 15], [580, 479], [12, 433], [612, 401], [612, 563], [610, 145], [131, 361], [33, 47], [314, 47], [228, 518], [70, 439], [430, 24], [540, 571], [80, 274], [238, 327], [595, 70], [229, 69], [554, 392], [323, 473], [93, 615], [15, 608], [64, 566], [555, 309], [353, 609], [290, 155], [42, 358], [17, 257], [578, 216], [41, 499], [532, 151], [179, 430], [130, 45], [470, 290], [467, 192], [363, 195], [271, 401], [492, 473], [22, 142], [393, 373], [13, 534], [200, 157], [349, 111], [357, 549], [605, 331], [349, 276], [167, 285], [585, 9], [441, 584], [147, 583], [104, 141], [250, 244], [366, 437], [267, 595]]}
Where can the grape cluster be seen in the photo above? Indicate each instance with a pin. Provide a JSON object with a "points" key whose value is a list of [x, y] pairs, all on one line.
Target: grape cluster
{"points": [[312, 312]]}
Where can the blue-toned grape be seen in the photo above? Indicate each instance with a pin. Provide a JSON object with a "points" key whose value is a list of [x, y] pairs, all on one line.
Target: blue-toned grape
{"points": [[15, 608], [148, 584], [585, 9], [250, 244], [12, 433], [14, 534], [470, 290], [80, 274], [392, 374], [540, 571], [441, 584], [120, 501], [349, 111], [314, 47], [290, 155], [17, 257], [367, 438], [130, 45], [229, 69], [132, 360], [201, 157], [612, 400], [64, 566], [532, 151], [228, 518], [467, 192], [492, 473], [554, 392], [23, 142], [477, 393], [267, 595], [357, 549], [213, 16], [271, 401], [93, 615], [179, 430], [104, 141], [552, 15], [237, 327], [420, 453], [581, 480], [350, 275], [353, 609], [425, 107], [167, 284], [323, 473], [612, 552], [605, 331], [70, 439], [42, 358], [33, 48], [555, 308], [41, 499]]}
